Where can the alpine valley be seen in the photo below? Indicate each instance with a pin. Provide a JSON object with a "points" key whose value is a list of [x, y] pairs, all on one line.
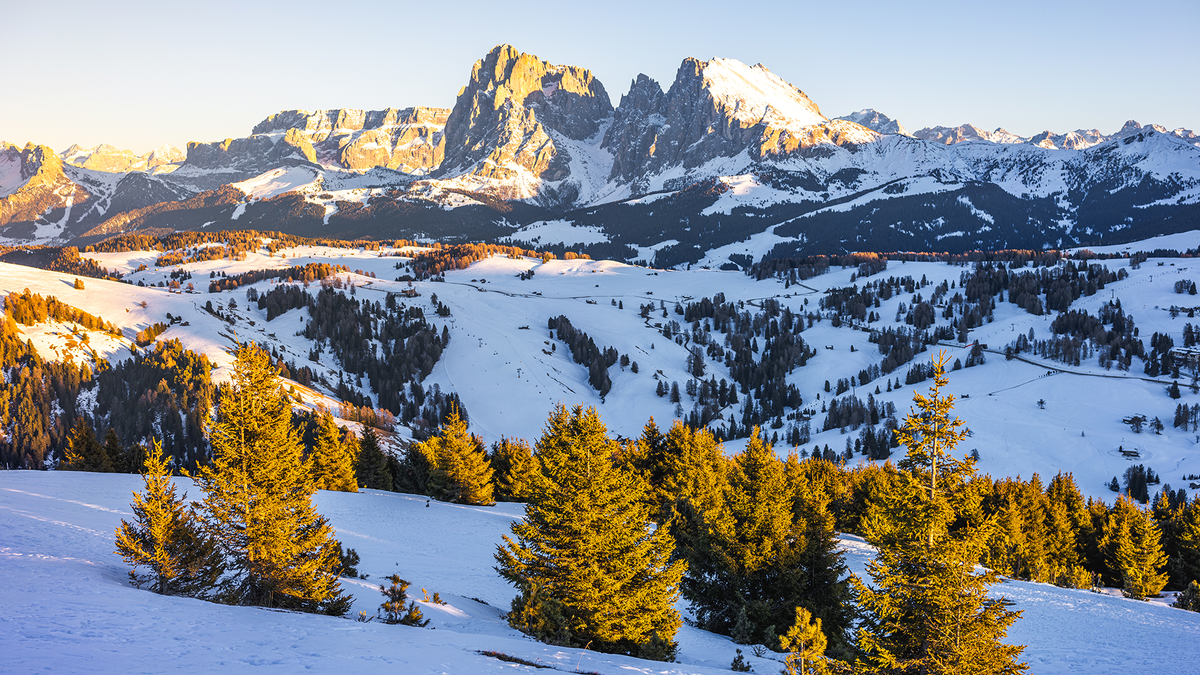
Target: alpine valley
{"points": [[727, 165], [663, 349]]}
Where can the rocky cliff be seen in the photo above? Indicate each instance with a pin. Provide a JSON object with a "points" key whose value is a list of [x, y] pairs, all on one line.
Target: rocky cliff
{"points": [[502, 123], [714, 109], [32, 184], [405, 139], [111, 159]]}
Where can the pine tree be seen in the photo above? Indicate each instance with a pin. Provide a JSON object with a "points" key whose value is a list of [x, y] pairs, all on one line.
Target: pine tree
{"points": [[393, 610], [514, 469], [805, 646], [1140, 557], [929, 611], [332, 460], [587, 543], [1068, 523], [372, 467], [459, 469], [258, 499], [166, 538], [652, 452]]}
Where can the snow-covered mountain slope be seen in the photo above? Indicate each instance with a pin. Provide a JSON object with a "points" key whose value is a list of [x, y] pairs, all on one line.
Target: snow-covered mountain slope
{"points": [[509, 371], [754, 95], [66, 604]]}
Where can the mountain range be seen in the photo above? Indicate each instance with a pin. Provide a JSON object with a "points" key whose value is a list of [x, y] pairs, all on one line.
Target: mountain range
{"points": [[727, 164]]}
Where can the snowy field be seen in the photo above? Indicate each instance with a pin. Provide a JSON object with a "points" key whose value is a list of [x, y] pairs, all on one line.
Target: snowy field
{"points": [[502, 363], [67, 607]]}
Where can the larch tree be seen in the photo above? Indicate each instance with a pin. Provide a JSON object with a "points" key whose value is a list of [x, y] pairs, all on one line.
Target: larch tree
{"points": [[165, 543], [459, 469], [332, 459], [929, 611], [592, 569], [258, 499]]}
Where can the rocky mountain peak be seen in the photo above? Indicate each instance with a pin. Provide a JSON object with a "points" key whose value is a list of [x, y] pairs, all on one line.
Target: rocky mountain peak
{"points": [[111, 159], [876, 121], [32, 183], [752, 94], [500, 127], [964, 133], [717, 108], [164, 154]]}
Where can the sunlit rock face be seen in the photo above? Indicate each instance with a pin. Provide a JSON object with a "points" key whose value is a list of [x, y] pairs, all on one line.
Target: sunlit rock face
{"points": [[503, 121], [406, 139], [718, 108], [32, 183], [110, 159]]}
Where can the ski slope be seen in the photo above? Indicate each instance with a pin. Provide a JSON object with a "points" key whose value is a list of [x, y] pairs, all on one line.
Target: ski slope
{"points": [[66, 606]]}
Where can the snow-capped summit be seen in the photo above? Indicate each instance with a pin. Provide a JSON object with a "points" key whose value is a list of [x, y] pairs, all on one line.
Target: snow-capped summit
{"points": [[876, 121], [754, 95]]}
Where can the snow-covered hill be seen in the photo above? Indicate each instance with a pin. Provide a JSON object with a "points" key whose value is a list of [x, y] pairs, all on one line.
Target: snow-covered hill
{"points": [[509, 372], [66, 605]]}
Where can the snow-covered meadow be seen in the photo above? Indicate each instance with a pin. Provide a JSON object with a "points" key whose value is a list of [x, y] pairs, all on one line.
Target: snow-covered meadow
{"points": [[65, 605]]}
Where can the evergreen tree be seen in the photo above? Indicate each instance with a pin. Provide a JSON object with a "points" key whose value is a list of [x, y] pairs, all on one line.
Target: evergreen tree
{"points": [[1140, 557], [459, 469], [1116, 525], [587, 543], [1184, 564], [805, 646], [929, 611], [258, 499], [410, 473], [695, 477], [166, 538], [332, 460], [372, 467], [514, 469], [1189, 599], [652, 451], [84, 452], [393, 610], [117, 456], [762, 551], [1069, 524]]}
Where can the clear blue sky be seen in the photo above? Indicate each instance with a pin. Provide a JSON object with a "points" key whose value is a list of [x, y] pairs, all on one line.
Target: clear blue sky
{"points": [[137, 74]]}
